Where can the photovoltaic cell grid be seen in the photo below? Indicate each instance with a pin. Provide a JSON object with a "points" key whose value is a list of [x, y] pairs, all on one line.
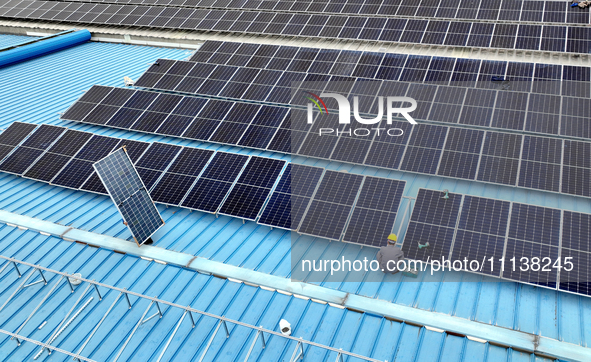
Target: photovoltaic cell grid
{"points": [[194, 118], [252, 188], [454, 33], [510, 231], [524, 77], [489, 105], [129, 194], [289, 201], [502, 158], [13, 135], [331, 205], [526, 11], [431, 227], [215, 182], [317, 202]]}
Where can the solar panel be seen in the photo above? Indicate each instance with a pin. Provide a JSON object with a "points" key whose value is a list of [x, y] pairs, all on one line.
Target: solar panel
{"points": [[16, 133], [252, 188], [428, 29], [500, 158], [291, 197], [20, 160], [30, 150], [129, 194], [180, 176], [431, 228], [576, 244], [481, 232], [461, 153], [331, 205], [215, 182], [424, 149], [375, 211], [79, 168]]}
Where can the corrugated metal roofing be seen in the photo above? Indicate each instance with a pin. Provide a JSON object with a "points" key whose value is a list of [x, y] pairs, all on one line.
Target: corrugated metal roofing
{"points": [[10, 40], [363, 334], [35, 91]]}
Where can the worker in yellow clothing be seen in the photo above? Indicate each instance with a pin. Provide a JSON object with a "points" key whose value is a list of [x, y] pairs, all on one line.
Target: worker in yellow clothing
{"points": [[389, 255]]}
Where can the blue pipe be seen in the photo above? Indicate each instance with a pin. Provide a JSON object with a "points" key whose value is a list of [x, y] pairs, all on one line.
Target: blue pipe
{"points": [[43, 46]]}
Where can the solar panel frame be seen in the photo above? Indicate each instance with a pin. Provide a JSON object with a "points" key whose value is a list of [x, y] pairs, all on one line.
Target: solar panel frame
{"points": [[375, 209], [332, 200], [130, 196]]}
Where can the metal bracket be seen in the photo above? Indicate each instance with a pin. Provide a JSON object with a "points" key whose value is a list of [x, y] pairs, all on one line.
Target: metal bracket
{"points": [[295, 356]]}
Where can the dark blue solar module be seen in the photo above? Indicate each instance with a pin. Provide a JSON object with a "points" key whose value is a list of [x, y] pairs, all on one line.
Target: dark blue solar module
{"points": [[500, 158], [432, 208], [291, 196], [215, 182], [477, 246], [97, 148], [4, 151], [419, 234], [180, 176], [432, 221], [424, 149], [158, 156], [481, 232], [74, 174], [190, 161], [369, 227], [576, 231], [576, 244], [482, 215], [524, 249], [20, 160], [245, 201], [331, 205], [16, 133], [535, 224], [325, 219], [338, 187], [70, 143], [461, 153], [254, 185], [375, 211], [46, 167], [43, 137]]}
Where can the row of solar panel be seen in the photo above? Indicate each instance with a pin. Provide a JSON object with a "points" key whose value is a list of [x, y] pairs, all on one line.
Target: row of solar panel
{"points": [[118, 175], [552, 79], [473, 228], [496, 108], [573, 39], [426, 148], [505, 10], [311, 200]]}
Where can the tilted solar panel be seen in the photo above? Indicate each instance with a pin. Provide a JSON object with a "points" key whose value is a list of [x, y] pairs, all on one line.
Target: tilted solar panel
{"points": [[129, 194]]}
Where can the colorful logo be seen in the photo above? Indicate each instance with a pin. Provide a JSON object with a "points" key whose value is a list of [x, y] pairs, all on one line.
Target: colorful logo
{"points": [[316, 102]]}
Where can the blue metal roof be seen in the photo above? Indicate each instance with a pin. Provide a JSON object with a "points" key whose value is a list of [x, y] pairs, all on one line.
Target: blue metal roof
{"points": [[10, 40], [35, 91], [359, 333]]}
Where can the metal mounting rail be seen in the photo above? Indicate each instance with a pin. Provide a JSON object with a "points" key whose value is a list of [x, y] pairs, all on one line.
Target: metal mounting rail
{"points": [[36, 40], [261, 333], [45, 345]]}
